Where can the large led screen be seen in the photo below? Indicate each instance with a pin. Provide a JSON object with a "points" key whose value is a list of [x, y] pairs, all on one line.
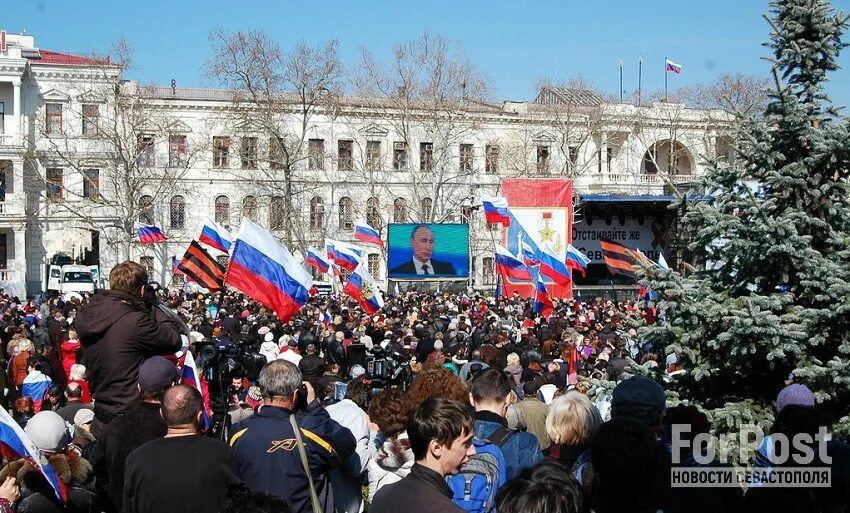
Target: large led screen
{"points": [[427, 251]]}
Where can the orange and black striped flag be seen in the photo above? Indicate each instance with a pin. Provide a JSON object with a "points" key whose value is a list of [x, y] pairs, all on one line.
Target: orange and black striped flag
{"points": [[201, 267], [619, 258]]}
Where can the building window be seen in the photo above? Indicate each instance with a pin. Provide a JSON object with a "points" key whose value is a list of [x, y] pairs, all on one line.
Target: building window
{"points": [[491, 165], [223, 260], [91, 183], [53, 118], [346, 213], [178, 212], [487, 271], [177, 150], [465, 158], [372, 263], [465, 213], [316, 149], [55, 190], [317, 213], [6, 179], [248, 152], [426, 156], [277, 213], [91, 119], [373, 155], [427, 209], [573, 151], [609, 156], [147, 263], [399, 156], [249, 208], [221, 148], [400, 210], [222, 210], [276, 153], [145, 149], [345, 155], [146, 211], [4, 251], [177, 279], [373, 212], [542, 159], [2, 117]]}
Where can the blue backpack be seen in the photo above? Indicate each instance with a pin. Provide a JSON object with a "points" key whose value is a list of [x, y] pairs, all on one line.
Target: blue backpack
{"points": [[474, 488]]}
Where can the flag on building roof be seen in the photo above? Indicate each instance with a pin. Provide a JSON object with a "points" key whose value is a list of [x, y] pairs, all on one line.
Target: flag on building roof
{"points": [[542, 302], [576, 259], [343, 254], [216, 236], [201, 267], [553, 266], [496, 210], [191, 377], [315, 258], [510, 266], [361, 286], [267, 272], [150, 234], [15, 443], [365, 233], [672, 66]]}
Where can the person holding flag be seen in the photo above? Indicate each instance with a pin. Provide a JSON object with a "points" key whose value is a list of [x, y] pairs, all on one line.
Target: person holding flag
{"points": [[216, 236], [361, 287], [576, 259], [542, 302]]}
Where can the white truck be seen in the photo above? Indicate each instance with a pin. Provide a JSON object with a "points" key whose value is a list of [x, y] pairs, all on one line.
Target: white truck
{"points": [[72, 278]]}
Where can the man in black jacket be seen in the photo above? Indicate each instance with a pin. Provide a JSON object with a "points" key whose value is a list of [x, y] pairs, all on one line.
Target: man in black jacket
{"points": [[118, 331], [440, 433]]}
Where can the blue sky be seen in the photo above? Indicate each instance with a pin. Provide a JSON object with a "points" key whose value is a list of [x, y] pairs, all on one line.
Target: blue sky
{"points": [[513, 42]]}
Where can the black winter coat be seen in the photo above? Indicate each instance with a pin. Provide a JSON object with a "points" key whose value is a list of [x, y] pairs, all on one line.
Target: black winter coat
{"points": [[118, 333], [37, 496]]}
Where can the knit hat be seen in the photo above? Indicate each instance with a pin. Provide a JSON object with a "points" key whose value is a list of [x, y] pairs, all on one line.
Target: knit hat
{"points": [[795, 395], [357, 371], [84, 416], [641, 391], [48, 431], [156, 373]]}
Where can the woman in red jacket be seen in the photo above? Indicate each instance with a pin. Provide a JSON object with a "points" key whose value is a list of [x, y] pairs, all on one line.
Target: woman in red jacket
{"points": [[69, 351]]}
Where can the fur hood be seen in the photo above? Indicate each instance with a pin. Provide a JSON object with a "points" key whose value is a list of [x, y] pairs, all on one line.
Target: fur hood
{"points": [[69, 466], [395, 454]]}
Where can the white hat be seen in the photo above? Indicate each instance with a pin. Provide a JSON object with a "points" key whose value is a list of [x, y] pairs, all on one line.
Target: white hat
{"points": [[49, 431], [263, 330], [269, 337]]}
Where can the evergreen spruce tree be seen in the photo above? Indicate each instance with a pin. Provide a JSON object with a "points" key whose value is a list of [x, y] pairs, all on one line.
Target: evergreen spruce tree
{"points": [[771, 293]]}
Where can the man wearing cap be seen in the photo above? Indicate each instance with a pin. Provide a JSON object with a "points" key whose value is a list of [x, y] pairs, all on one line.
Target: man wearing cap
{"points": [[141, 424], [118, 330]]}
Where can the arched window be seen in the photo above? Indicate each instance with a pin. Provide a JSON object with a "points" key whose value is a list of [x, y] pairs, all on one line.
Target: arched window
{"points": [[317, 213], [427, 209], [249, 208], [277, 213], [146, 211], [667, 157], [222, 210], [346, 213], [178, 212], [373, 212], [400, 210]]}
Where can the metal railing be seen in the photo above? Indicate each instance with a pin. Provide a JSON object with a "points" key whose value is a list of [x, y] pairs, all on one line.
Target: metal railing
{"points": [[6, 275], [636, 178]]}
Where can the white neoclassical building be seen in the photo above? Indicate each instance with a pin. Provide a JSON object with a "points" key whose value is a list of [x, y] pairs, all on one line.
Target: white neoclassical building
{"points": [[86, 155]]}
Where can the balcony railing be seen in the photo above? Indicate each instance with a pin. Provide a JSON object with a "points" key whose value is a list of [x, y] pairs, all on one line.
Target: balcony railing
{"points": [[10, 140], [636, 179], [6, 275]]}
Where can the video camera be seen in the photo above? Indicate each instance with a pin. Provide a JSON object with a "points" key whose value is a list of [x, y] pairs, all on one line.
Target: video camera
{"points": [[387, 368]]}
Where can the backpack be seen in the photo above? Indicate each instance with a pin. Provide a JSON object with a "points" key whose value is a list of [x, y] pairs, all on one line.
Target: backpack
{"points": [[474, 488]]}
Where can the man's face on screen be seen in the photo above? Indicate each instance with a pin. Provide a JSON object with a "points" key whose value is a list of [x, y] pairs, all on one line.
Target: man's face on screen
{"points": [[422, 243]]}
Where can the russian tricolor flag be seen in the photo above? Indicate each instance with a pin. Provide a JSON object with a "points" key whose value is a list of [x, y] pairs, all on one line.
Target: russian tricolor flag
{"points": [[576, 259], [325, 317], [315, 258], [216, 236], [15, 443], [510, 266], [552, 266], [191, 377], [496, 210], [361, 286], [542, 302], [150, 234], [344, 255], [672, 66], [267, 272], [365, 233]]}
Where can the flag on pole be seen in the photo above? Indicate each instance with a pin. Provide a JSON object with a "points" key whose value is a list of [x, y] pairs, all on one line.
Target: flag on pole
{"points": [[15, 443], [672, 66], [191, 377], [510, 266], [343, 254], [552, 266], [542, 302], [365, 233], [576, 259], [622, 260], [315, 258], [150, 234], [496, 210], [201, 267], [216, 236], [267, 272], [361, 286]]}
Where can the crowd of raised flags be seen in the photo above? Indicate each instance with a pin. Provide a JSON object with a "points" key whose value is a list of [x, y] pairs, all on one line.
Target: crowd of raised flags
{"points": [[267, 271]]}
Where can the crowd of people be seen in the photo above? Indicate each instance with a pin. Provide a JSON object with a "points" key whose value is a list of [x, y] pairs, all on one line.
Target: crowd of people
{"points": [[436, 403]]}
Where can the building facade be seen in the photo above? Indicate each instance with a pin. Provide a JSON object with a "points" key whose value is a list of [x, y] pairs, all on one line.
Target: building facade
{"points": [[85, 156]]}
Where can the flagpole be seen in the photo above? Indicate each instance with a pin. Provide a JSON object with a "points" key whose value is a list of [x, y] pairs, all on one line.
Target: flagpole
{"points": [[621, 80], [640, 77], [665, 79]]}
